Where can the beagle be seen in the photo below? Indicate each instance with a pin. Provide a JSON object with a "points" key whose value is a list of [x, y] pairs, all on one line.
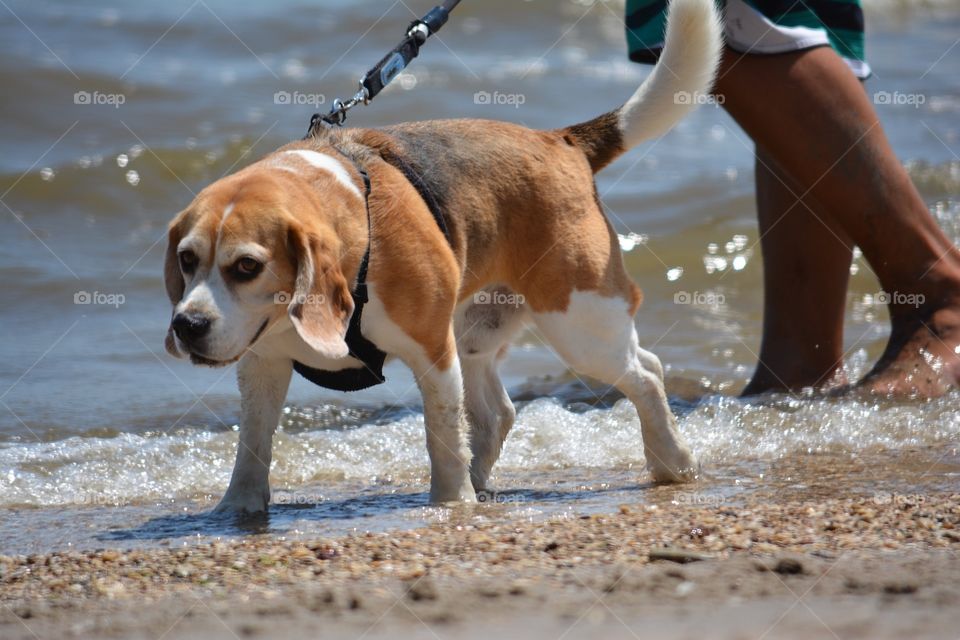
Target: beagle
{"points": [[449, 236]]}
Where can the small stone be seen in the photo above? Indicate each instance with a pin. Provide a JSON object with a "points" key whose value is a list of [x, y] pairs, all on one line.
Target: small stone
{"points": [[324, 600], [422, 590], [685, 588], [489, 591], [788, 566], [267, 561], [681, 556], [900, 588], [326, 553], [853, 584], [517, 587]]}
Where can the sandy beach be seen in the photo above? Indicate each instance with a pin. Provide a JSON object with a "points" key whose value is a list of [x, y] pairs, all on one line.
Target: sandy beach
{"points": [[833, 568]]}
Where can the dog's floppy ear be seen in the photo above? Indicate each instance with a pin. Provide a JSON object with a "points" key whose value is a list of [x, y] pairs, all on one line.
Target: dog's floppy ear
{"points": [[321, 305], [172, 276]]}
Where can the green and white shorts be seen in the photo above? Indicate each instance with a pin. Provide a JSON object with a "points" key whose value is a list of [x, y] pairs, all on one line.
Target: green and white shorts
{"points": [[762, 27]]}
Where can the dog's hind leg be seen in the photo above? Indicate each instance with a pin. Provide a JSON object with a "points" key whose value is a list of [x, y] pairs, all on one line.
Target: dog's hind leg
{"points": [[490, 413], [484, 326], [596, 337]]}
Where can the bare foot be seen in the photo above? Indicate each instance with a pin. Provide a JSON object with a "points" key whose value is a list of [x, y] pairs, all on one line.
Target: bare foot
{"points": [[922, 358]]}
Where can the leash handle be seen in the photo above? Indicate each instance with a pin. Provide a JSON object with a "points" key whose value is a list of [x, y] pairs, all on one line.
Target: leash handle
{"points": [[403, 54], [389, 67]]}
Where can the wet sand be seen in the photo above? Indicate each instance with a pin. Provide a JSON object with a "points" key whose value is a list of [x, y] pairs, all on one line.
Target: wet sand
{"points": [[850, 568]]}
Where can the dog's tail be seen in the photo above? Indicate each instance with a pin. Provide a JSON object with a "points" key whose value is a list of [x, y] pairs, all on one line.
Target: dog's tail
{"points": [[678, 82]]}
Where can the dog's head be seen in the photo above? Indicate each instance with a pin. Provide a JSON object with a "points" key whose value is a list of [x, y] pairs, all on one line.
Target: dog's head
{"points": [[252, 250]]}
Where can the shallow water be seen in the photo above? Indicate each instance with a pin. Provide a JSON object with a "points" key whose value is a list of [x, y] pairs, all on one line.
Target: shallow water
{"points": [[104, 439]]}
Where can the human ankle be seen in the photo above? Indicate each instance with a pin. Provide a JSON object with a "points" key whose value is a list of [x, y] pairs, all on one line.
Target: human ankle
{"points": [[793, 378]]}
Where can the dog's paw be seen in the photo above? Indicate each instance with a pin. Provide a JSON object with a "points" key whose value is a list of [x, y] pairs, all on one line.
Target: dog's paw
{"points": [[464, 493], [244, 503], [679, 466]]}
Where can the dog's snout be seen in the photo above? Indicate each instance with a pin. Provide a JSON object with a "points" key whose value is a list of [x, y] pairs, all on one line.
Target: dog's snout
{"points": [[190, 327]]}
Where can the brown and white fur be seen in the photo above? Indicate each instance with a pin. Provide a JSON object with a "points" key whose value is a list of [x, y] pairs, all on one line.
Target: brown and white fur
{"points": [[260, 266]]}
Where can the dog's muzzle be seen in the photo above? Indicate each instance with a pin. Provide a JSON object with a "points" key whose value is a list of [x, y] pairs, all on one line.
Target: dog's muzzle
{"points": [[190, 328]]}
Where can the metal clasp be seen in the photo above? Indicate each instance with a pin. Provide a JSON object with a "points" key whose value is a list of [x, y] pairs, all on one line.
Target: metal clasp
{"points": [[338, 111]]}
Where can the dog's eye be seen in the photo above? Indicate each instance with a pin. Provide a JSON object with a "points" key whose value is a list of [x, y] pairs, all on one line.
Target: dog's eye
{"points": [[247, 268], [188, 261]]}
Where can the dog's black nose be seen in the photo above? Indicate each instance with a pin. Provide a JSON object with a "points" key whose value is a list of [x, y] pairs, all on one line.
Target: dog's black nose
{"points": [[190, 328]]}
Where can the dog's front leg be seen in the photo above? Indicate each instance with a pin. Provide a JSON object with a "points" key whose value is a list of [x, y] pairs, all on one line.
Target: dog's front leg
{"points": [[441, 384], [263, 387]]}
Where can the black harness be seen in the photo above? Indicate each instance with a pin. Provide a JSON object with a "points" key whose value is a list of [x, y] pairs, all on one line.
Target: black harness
{"points": [[370, 371]]}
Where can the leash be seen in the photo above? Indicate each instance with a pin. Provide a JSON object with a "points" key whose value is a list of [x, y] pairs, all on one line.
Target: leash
{"points": [[389, 67]]}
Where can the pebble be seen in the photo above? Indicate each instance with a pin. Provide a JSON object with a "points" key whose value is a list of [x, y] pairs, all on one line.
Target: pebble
{"points": [[900, 588], [681, 556], [788, 566], [422, 589]]}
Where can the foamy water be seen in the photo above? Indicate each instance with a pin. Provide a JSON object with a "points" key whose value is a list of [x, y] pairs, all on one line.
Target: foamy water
{"points": [[548, 438]]}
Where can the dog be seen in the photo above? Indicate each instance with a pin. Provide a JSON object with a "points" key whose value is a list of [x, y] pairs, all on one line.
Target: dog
{"points": [[435, 243]]}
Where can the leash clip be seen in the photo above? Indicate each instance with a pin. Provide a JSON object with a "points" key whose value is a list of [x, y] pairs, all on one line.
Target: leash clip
{"points": [[338, 110]]}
